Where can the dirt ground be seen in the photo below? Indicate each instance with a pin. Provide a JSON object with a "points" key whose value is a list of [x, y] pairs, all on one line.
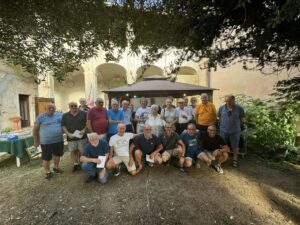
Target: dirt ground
{"points": [[255, 193]]}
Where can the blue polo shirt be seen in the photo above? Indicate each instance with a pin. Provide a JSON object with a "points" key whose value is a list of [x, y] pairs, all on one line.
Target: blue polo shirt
{"points": [[191, 143], [101, 149], [127, 116], [230, 122], [147, 146], [50, 128], [114, 115]]}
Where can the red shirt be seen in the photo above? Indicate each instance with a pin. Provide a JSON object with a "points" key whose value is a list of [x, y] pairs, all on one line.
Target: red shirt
{"points": [[98, 118]]}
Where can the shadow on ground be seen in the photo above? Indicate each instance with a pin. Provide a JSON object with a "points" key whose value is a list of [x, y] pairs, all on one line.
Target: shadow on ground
{"points": [[160, 195]]}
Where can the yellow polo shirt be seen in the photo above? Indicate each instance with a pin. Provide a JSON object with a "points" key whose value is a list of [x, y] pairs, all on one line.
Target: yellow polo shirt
{"points": [[206, 114]]}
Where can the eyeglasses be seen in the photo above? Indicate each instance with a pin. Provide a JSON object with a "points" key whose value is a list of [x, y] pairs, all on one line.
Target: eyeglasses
{"points": [[73, 106], [168, 127], [191, 129]]}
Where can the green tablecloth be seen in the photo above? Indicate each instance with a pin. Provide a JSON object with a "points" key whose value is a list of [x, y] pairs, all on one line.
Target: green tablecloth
{"points": [[17, 147]]}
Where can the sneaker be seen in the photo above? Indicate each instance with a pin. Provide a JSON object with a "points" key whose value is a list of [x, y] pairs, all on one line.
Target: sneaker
{"points": [[184, 170], [218, 169], [117, 171], [57, 170], [198, 165], [48, 175], [89, 179]]}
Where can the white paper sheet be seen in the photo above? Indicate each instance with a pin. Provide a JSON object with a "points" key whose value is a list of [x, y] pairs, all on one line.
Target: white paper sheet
{"points": [[102, 164], [149, 159], [77, 134]]}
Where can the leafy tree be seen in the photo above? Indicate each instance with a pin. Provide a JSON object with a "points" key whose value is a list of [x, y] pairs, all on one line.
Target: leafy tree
{"points": [[58, 35]]}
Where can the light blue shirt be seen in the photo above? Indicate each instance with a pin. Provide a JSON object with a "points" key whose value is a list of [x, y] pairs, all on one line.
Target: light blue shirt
{"points": [[114, 115], [230, 121], [127, 116], [50, 128]]}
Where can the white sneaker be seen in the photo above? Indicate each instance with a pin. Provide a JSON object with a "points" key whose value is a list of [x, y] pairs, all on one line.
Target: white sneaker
{"points": [[218, 169]]}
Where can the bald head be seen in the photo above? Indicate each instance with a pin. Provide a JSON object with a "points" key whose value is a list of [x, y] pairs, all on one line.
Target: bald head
{"points": [[50, 108]]}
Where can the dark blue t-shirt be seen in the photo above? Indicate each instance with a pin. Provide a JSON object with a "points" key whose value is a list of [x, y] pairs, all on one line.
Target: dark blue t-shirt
{"points": [[191, 143], [93, 152], [147, 146]]}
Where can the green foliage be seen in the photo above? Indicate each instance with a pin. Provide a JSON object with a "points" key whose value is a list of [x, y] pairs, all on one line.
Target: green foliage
{"points": [[6, 130], [57, 36], [271, 125]]}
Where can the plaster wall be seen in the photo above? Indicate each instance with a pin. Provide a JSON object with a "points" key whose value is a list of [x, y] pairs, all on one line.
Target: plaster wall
{"points": [[235, 80], [11, 85], [69, 90]]}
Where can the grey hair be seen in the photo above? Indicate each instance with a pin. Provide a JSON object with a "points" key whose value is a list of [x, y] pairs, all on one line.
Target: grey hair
{"points": [[114, 101], [154, 106], [204, 95], [99, 100], [72, 102]]}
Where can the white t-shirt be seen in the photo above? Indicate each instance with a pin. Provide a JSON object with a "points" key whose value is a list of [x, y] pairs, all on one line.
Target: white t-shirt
{"points": [[121, 144], [157, 124], [184, 115]]}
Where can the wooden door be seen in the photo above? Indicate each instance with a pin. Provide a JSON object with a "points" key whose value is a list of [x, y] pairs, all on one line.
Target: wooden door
{"points": [[24, 110], [41, 103]]}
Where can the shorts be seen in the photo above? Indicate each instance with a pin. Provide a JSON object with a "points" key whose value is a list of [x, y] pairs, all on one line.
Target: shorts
{"points": [[193, 155], [76, 145], [208, 154], [48, 150], [231, 139], [125, 160], [171, 152]]}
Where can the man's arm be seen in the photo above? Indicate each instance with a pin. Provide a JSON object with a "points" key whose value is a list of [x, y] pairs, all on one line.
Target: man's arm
{"points": [[36, 135], [65, 130], [159, 148], [214, 112], [111, 151], [180, 142], [89, 125], [87, 159]]}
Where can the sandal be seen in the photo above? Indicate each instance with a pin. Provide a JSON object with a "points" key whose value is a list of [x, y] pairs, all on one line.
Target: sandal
{"points": [[235, 163], [57, 170]]}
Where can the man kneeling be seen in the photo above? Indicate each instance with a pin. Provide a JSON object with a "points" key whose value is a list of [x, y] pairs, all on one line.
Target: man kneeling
{"points": [[214, 147], [119, 151], [173, 146], [90, 159], [146, 144]]}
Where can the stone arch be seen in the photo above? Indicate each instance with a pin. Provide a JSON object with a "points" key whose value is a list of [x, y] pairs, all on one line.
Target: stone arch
{"points": [[110, 75], [146, 71], [187, 74], [187, 70]]}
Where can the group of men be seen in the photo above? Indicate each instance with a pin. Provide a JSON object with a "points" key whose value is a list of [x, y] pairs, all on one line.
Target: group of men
{"points": [[189, 134]]}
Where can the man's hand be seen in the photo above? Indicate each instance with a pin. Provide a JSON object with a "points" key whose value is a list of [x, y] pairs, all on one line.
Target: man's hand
{"points": [[70, 135], [97, 161], [152, 155]]}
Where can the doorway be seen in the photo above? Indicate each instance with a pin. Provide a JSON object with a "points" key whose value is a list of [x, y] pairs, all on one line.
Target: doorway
{"points": [[41, 103], [24, 110]]}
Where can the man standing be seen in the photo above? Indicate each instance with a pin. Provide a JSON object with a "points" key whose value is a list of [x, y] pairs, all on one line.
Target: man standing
{"points": [[231, 118], [141, 115], [74, 126], [146, 144], [115, 116], [127, 115], [213, 147], [205, 113], [97, 120], [47, 132], [172, 146], [83, 106], [119, 151], [184, 116], [191, 139], [90, 159]]}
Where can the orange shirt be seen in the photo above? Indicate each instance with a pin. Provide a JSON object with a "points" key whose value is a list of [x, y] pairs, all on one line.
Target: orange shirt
{"points": [[206, 114]]}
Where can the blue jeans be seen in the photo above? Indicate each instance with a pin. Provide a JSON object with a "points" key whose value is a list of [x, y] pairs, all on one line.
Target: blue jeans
{"points": [[91, 170]]}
